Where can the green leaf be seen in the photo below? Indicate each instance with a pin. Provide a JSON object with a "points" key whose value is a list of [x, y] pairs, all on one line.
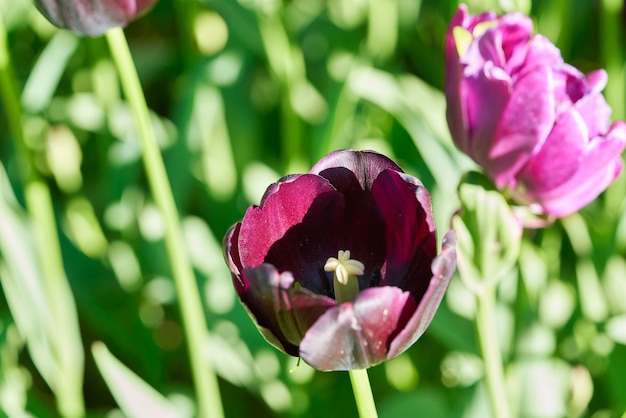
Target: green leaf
{"points": [[135, 397]]}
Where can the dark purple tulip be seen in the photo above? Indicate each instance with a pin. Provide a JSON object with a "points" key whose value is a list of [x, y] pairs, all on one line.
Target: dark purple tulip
{"points": [[92, 17], [281, 252], [538, 126]]}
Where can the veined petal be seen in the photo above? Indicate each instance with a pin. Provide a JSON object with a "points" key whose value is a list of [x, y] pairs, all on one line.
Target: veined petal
{"points": [[357, 335]]}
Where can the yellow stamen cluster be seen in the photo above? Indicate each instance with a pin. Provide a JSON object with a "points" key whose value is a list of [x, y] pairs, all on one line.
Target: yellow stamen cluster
{"points": [[344, 267]]}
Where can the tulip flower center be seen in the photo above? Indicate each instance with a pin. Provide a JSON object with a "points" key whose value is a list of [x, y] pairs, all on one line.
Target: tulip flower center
{"points": [[346, 284]]}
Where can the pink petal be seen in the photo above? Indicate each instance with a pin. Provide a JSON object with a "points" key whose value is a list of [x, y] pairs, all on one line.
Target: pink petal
{"points": [[525, 124], [356, 335], [600, 165]]}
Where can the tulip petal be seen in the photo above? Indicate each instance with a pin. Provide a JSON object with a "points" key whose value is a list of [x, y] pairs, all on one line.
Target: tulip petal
{"points": [[361, 231], [599, 167], [92, 17], [357, 335], [405, 207], [282, 312], [541, 52], [231, 255], [596, 114], [560, 156], [284, 206], [365, 166], [485, 97], [443, 268], [525, 124]]}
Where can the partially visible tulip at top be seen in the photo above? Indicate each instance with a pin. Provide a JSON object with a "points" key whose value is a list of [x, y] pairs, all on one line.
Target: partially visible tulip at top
{"points": [[538, 127], [339, 266], [92, 17]]}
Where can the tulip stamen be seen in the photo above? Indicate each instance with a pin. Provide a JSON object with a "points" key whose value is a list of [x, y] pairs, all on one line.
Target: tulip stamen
{"points": [[346, 270]]}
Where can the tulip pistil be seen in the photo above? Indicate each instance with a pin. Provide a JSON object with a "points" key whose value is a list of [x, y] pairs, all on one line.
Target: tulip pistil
{"points": [[346, 270]]}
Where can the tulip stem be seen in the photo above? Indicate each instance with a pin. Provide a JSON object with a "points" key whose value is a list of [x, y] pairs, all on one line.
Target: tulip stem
{"points": [[363, 393], [189, 301], [490, 349], [65, 340]]}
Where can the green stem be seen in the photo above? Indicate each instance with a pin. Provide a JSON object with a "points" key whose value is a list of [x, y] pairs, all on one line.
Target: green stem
{"points": [[490, 349], [193, 317], [65, 338], [363, 393]]}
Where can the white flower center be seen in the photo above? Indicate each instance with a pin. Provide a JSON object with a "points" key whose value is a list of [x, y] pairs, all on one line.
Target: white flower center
{"points": [[346, 284]]}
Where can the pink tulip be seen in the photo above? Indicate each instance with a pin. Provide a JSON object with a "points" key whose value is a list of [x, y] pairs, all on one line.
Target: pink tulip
{"points": [[537, 126]]}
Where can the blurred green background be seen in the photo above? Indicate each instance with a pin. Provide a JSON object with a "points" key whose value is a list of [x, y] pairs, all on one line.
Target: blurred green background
{"points": [[243, 92]]}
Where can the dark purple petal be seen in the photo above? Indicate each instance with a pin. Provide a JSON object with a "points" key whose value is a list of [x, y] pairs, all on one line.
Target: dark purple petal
{"points": [[92, 17], [357, 335], [282, 310], [442, 270], [304, 248], [525, 124], [362, 229], [405, 207], [287, 205], [231, 255], [365, 166]]}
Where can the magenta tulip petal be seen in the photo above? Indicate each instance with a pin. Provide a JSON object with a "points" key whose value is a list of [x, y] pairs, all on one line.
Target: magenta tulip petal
{"points": [[598, 169], [596, 114], [559, 158], [354, 204], [484, 111], [357, 335], [541, 52], [532, 122], [525, 124], [92, 17]]}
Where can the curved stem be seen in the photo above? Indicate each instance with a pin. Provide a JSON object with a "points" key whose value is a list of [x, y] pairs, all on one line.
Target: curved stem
{"points": [[193, 317], [363, 393], [65, 339], [490, 349]]}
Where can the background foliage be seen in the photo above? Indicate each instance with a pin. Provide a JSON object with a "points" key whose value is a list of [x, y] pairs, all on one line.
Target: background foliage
{"points": [[243, 92]]}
